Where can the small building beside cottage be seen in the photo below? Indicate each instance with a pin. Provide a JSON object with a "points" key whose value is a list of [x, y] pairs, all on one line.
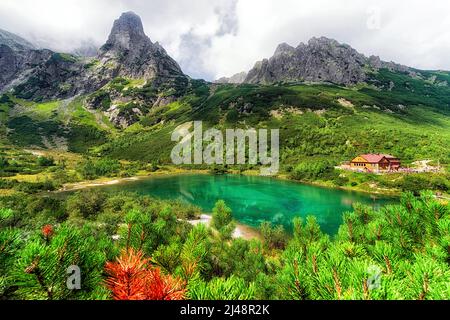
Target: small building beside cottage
{"points": [[375, 162]]}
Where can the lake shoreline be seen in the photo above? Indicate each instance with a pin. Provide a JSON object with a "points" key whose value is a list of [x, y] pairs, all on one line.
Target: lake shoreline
{"points": [[105, 181], [164, 173], [251, 199]]}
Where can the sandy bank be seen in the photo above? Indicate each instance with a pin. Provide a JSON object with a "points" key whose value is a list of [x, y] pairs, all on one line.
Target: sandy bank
{"points": [[241, 231]]}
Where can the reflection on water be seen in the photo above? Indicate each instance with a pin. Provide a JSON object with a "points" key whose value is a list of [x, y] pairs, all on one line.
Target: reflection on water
{"points": [[255, 199]]}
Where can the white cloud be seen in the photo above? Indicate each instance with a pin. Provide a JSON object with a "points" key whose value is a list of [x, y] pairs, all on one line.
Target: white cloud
{"points": [[213, 38]]}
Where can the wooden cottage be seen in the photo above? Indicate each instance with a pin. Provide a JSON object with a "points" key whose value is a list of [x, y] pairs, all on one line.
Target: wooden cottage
{"points": [[376, 162]]}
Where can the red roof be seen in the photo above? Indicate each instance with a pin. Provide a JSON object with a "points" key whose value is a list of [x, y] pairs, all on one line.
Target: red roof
{"points": [[388, 156], [375, 158]]}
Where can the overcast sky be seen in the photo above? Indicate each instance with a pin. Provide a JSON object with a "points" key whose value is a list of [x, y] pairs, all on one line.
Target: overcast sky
{"points": [[214, 38]]}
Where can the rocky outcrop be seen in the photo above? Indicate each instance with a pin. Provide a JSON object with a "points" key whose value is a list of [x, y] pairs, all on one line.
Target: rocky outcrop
{"points": [[36, 73], [51, 75], [235, 79], [130, 53], [124, 116], [320, 60], [13, 57], [15, 42], [9, 64]]}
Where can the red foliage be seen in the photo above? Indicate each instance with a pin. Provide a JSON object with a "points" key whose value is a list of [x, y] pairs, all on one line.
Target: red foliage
{"points": [[47, 231], [132, 278]]}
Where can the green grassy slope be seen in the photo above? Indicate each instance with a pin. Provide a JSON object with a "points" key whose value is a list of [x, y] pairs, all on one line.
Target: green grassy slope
{"points": [[393, 113], [53, 124], [316, 120]]}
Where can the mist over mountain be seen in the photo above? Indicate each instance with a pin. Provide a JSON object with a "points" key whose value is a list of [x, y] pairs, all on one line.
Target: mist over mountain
{"points": [[14, 41], [86, 49]]}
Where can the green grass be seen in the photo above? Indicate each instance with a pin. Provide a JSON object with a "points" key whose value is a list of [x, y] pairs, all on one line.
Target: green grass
{"points": [[132, 83], [47, 109], [338, 133], [26, 131], [408, 91], [80, 115], [149, 145], [5, 106], [92, 64], [63, 57], [80, 128]]}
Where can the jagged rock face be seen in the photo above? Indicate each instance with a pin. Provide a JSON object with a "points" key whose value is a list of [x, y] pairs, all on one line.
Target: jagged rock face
{"points": [[134, 55], [48, 75], [36, 74], [8, 64], [322, 59], [123, 118], [128, 53], [15, 42], [127, 34], [13, 53]]}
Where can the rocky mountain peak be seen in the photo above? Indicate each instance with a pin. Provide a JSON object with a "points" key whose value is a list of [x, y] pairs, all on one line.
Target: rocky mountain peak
{"points": [[284, 48], [127, 53], [14, 55], [319, 60], [130, 53], [326, 46], [321, 41], [127, 33]]}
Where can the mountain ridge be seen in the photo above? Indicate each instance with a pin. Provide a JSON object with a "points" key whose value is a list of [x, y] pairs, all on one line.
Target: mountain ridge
{"points": [[321, 59], [128, 52], [14, 41]]}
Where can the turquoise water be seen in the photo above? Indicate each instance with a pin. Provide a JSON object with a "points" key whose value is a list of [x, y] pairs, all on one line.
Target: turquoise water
{"points": [[255, 199]]}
